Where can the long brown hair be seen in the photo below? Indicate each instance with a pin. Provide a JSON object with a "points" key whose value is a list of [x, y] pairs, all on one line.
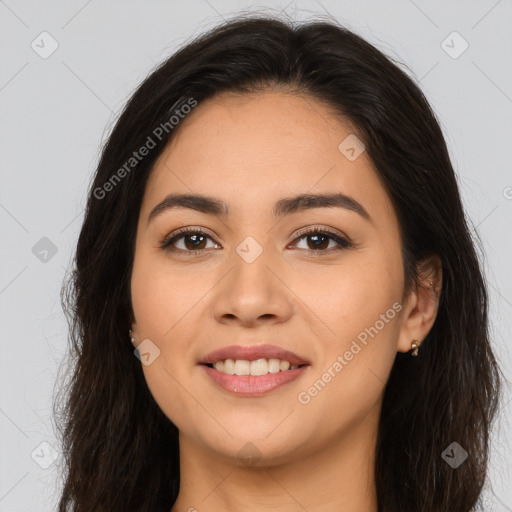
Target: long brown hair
{"points": [[120, 451]]}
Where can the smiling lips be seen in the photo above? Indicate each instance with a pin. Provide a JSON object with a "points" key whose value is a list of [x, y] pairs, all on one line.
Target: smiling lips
{"points": [[253, 370]]}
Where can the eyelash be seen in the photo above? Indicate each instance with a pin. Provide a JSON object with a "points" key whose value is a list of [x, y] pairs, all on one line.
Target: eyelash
{"points": [[343, 243]]}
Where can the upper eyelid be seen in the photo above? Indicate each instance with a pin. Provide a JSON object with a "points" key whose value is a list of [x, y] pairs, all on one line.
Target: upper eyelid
{"points": [[302, 232], [320, 227]]}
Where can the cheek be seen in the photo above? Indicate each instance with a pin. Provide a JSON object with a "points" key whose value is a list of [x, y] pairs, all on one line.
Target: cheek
{"points": [[358, 306], [354, 365], [160, 307], [352, 295], [163, 303], [160, 298]]}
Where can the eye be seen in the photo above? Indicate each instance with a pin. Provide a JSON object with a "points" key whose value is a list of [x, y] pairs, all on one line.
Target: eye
{"points": [[194, 240], [321, 239]]}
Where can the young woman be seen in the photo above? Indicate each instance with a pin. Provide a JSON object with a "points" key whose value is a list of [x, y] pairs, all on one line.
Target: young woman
{"points": [[277, 302]]}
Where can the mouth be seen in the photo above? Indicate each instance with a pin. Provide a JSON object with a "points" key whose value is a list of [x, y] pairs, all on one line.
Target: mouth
{"points": [[256, 367], [253, 370]]}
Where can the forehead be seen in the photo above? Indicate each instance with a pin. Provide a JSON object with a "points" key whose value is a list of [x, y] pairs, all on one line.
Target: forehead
{"points": [[246, 148], [282, 126]]}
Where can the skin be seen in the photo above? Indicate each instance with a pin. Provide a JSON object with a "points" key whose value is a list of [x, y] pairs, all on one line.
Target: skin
{"points": [[251, 150]]}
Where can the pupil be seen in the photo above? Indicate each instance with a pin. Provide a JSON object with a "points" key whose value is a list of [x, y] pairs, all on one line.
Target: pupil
{"points": [[196, 241], [317, 237]]}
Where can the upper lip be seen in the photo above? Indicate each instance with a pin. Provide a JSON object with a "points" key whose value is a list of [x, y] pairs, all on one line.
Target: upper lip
{"points": [[253, 352]]}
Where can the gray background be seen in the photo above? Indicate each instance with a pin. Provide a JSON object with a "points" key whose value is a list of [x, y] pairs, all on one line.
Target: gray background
{"points": [[56, 112]]}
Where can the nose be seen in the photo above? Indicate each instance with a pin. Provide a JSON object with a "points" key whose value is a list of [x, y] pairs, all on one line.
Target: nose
{"points": [[253, 292]]}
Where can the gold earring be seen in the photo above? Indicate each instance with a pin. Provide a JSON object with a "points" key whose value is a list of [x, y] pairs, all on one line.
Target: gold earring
{"points": [[415, 345]]}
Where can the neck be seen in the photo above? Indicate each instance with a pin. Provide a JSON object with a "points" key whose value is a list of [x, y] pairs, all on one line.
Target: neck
{"points": [[338, 477]]}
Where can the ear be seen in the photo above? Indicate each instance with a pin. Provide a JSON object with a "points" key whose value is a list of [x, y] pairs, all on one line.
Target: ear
{"points": [[421, 305]]}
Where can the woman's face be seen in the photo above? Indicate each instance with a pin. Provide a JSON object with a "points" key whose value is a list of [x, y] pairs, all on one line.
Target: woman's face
{"points": [[257, 279]]}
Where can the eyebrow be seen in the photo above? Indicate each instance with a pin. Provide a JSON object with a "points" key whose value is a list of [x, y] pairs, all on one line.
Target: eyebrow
{"points": [[284, 206]]}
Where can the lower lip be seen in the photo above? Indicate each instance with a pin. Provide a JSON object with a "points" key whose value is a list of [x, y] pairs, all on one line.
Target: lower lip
{"points": [[253, 385]]}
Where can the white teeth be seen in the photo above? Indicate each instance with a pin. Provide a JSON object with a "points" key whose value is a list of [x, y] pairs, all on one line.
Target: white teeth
{"points": [[256, 367], [273, 365], [259, 367], [242, 367], [229, 366], [284, 365]]}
